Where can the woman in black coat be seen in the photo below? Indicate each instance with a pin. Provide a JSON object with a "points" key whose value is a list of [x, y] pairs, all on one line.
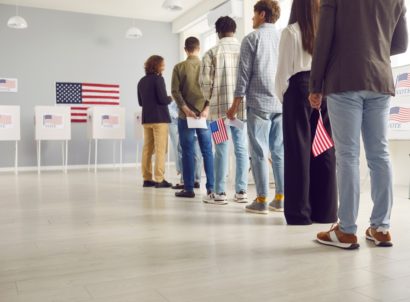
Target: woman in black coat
{"points": [[153, 98]]}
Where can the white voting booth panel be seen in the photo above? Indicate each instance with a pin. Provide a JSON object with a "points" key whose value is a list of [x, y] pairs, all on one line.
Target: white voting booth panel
{"points": [[10, 127], [52, 124], [105, 123], [139, 132], [399, 126], [399, 121]]}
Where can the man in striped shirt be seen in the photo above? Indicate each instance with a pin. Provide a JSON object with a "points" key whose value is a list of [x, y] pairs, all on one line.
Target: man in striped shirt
{"points": [[217, 80], [256, 81]]}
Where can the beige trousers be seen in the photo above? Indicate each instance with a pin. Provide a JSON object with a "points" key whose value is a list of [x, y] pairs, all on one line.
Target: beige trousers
{"points": [[155, 141]]}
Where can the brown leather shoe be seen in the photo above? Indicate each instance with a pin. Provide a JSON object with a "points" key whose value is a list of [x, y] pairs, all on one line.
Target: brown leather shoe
{"points": [[335, 237], [381, 237]]}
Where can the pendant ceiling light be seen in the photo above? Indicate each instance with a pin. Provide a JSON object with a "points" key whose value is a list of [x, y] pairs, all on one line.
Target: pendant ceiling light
{"points": [[175, 5], [133, 33], [17, 22]]}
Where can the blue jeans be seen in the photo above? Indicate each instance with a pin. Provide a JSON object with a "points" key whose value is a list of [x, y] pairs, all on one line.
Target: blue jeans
{"points": [[221, 161], [366, 112], [265, 134], [187, 140], [176, 147]]}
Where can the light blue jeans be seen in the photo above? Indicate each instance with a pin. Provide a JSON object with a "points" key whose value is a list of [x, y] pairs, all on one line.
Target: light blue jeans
{"points": [[266, 134], [176, 147], [366, 112], [221, 161]]}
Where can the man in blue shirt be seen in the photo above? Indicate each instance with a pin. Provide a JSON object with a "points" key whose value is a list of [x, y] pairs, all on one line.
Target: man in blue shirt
{"points": [[256, 82]]}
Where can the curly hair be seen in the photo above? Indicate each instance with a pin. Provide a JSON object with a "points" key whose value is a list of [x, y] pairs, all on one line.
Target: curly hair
{"points": [[225, 25], [153, 64], [271, 9]]}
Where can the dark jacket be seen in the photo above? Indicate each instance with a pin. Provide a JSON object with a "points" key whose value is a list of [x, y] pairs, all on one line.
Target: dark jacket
{"points": [[354, 43], [153, 98]]}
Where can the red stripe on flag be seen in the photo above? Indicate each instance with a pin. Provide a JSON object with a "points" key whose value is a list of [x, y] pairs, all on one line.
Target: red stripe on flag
{"points": [[100, 85], [79, 108], [101, 91], [101, 103], [74, 120], [101, 97], [78, 114]]}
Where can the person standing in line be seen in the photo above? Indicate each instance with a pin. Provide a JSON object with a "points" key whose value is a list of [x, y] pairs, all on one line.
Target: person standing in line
{"points": [[191, 104], [153, 98], [176, 147], [351, 66], [217, 80], [256, 80], [310, 183]]}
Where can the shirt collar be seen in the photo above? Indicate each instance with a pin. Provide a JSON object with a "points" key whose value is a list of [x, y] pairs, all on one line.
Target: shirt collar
{"points": [[267, 25]]}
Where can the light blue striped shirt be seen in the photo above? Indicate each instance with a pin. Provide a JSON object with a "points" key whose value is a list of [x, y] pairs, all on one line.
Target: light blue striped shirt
{"points": [[257, 69]]}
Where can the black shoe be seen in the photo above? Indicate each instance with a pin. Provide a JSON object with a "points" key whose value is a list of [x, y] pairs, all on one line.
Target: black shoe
{"points": [[178, 187], [163, 184], [197, 185], [149, 183], [185, 194]]}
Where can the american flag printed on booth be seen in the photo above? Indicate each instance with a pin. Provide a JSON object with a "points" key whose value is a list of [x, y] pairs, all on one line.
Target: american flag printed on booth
{"points": [[110, 121], [400, 115], [219, 132], [80, 96], [8, 84], [322, 140], [403, 81], [52, 121], [5, 121]]}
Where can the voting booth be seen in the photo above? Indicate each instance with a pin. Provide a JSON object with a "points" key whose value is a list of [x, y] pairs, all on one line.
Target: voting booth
{"points": [[52, 124], [10, 128], [399, 115], [105, 123]]}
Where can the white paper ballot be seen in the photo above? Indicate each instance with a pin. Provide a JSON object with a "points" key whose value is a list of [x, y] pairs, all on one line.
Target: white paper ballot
{"points": [[236, 123], [199, 123]]}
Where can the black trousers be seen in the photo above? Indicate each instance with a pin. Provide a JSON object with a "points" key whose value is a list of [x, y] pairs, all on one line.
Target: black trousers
{"points": [[310, 183]]}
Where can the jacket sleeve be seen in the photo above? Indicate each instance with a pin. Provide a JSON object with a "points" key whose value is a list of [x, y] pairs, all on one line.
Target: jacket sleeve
{"points": [[175, 89], [323, 45], [139, 96], [246, 60], [400, 38], [162, 97], [287, 47], [207, 75]]}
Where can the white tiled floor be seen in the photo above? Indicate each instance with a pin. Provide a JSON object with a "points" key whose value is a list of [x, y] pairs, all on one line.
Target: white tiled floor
{"points": [[100, 237]]}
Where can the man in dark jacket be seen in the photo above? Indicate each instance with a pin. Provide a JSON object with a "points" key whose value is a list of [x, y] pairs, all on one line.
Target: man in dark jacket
{"points": [[351, 66]]}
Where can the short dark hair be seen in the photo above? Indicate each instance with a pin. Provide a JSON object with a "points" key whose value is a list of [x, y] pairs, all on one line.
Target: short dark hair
{"points": [[271, 9], [152, 64], [225, 25], [191, 44]]}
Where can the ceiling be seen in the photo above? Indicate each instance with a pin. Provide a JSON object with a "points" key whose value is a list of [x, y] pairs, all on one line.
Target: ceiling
{"points": [[138, 9]]}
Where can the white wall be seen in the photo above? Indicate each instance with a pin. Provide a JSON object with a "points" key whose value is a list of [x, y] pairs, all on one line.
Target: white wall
{"points": [[64, 46]]}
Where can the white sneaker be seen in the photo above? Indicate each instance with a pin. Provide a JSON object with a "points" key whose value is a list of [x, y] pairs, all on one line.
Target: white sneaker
{"points": [[220, 197], [241, 197], [210, 199]]}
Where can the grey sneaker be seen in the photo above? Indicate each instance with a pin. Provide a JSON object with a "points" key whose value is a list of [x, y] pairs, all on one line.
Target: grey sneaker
{"points": [[276, 205], [257, 207]]}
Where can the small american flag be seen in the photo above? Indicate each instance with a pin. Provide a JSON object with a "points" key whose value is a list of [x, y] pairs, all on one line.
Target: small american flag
{"points": [[403, 80], [8, 84], [5, 121], [219, 132], [52, 121], [322, 141], [400, 114], [109, 120], [80, 96]]}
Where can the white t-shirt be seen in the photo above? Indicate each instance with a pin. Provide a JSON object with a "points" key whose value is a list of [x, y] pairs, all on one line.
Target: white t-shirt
{"points": [[292, 58]]}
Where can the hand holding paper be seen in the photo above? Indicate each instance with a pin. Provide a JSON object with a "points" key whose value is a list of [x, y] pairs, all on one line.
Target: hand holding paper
{"points": [[197, 123]]}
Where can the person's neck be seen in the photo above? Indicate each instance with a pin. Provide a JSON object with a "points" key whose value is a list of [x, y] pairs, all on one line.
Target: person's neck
{"points": [[193, 54], [227, 35]]}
